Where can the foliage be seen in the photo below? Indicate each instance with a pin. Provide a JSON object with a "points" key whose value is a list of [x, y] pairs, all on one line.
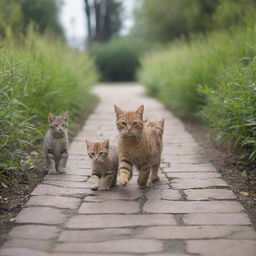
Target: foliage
{"points": [[38, 76], [16, 15], [213, 73], [230, 110], [118, 59], [167, 20]]}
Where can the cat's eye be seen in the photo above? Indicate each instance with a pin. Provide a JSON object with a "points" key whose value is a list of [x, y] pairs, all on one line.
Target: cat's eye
{"points": [[101, 153], [63, 125], [91, 153], [123, 123], [56, 125], [135, 123]]}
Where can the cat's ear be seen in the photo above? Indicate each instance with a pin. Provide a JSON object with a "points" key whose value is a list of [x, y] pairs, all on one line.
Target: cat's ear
{"points": [[162, 123], [140, 110], [106, 143], [51, 117], [89, 144], [64, 116], [118, 110]]}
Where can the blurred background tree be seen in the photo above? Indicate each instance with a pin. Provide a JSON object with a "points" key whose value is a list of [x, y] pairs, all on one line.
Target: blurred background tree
{"points": [[16, 15], [103, 19]]}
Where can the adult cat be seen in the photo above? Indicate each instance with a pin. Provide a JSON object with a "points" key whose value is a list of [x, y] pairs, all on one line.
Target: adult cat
{"points": [[138, 145]]}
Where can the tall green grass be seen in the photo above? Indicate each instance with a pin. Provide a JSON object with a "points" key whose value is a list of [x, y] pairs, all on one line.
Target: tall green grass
{"points": [[38, 75], [212, 77]]}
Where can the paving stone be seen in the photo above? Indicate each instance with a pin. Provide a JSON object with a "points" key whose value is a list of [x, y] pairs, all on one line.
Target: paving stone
{"points": [[200, 175], [41, 245], [209, 194], [190, 168], [119, 246], [54, 201], [156, 206], [39, 232], [50, 190], [124, 193], [115, 221], [168, 194], [185, 183], [222, 247], [196, 232], [79, 171], [21, 252], [68, 184], [115, 206], [98, 235], [217, 219], [93, 254], [65, 177], [41, 215]]}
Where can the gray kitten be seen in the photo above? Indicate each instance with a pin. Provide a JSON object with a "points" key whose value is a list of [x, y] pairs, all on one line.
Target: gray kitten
{"points": [[56, 143]]}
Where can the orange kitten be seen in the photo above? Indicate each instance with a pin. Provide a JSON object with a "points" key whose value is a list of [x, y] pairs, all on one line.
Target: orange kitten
{"points": [[104, 164]]}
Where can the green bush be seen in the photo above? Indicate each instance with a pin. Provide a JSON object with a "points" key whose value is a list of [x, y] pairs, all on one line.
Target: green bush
{"points": [[174, 74], [38, 76], [118, 59], [212, 77], [230, 108]]}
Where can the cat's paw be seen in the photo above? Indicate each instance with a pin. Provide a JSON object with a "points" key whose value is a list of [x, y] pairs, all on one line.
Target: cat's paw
{"points": [[142, 186], [106, 188], [154, 178], [94, 187], [52, 171], [123, 180], [61, 170]]}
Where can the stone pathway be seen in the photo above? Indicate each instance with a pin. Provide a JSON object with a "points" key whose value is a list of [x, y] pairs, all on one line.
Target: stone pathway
{"points": [[191, 211]]}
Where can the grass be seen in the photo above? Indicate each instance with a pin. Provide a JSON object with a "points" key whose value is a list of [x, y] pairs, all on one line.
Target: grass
{"points": [[38, 75], [211, 77]]}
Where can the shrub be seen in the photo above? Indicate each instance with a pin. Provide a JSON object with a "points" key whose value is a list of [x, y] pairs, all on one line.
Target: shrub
{"points": [[212, 77], [174, 74], [38, 76], [118, 59], [230, 109]]}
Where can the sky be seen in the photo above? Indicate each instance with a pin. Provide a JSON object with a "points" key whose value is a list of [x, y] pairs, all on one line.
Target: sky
{"points": [[73, 20]]}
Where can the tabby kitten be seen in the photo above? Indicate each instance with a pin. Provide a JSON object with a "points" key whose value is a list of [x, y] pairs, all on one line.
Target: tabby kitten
{"points": [[56, 143], [104, 164], [157, 131], [137, 145]]}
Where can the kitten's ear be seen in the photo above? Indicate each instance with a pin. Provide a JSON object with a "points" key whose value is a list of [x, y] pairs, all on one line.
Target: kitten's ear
{"points": [[51, 117], [64, 116], [106, 143], [140, 110], [162, 123], [89, 144], [118, 110]]}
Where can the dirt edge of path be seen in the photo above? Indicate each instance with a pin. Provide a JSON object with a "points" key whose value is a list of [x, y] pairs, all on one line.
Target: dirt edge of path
{"points": [[229, 163], [16, 186]]}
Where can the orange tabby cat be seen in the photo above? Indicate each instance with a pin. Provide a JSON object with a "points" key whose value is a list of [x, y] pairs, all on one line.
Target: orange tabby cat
{"points": [[137, 145], [158, 128]]}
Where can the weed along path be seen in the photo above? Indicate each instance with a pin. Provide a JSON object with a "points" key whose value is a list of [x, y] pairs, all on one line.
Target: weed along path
{"points": [[191, 211]]}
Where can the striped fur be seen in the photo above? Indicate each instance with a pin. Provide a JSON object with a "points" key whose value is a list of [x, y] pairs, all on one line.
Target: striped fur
{"points": [[104, 164], [137, 145]]}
